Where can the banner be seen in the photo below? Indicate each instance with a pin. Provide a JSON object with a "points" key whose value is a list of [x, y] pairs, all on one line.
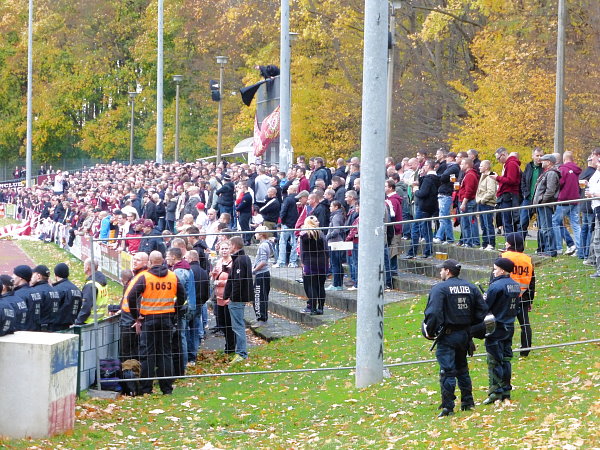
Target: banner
{"points": [[269, 130], [12, 184]]}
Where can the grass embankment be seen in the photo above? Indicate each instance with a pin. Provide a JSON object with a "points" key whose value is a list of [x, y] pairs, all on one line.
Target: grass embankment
{"points": [[555, 398]]}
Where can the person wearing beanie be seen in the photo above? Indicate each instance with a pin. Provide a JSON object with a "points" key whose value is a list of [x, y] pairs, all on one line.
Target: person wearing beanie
{"points": [[21, 278], [524, 274], [70, 298], [49, 297], [502, 299], [453, 306]]}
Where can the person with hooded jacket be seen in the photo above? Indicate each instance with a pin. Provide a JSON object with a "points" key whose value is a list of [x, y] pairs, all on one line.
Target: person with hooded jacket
{"points": [[546, 191], [568, 190], [509, 188]]}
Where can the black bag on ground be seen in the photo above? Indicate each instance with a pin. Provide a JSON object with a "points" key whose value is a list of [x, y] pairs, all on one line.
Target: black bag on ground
{"points": [[110, 375], [131, 369]]}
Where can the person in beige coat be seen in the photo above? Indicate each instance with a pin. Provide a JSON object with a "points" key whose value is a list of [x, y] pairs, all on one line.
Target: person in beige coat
{"points": [[486, 201]]}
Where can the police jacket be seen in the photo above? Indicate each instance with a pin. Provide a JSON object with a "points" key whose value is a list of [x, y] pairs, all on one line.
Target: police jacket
{"points": [[155, 279], [70, 300], [201, 282], [87, 296], [7, 315], [19, 307], [34, 307], [239, 286], [50, 301], [502, 298], [453, 304]]}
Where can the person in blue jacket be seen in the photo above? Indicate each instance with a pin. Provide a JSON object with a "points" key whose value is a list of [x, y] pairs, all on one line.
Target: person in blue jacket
{"points": [[503, 301]]}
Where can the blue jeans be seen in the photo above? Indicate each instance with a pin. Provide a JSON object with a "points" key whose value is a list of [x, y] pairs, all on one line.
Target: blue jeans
{"points": [[236, 313], [387, 267], [587, 227], [353, 263], [336, 267], [510, 219], [560, 231], [451, 353], [194, 320], [546, 233], [525, 216], [421, 229], [183, 333], [445, 233], [488, 234], [469, 226], [284, 237]]}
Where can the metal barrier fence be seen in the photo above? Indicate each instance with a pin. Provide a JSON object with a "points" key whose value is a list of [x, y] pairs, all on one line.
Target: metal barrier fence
{"points": [[290, 288]]}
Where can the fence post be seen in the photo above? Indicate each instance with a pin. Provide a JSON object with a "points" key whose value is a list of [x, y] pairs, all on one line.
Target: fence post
{"points": [[95, 306]]}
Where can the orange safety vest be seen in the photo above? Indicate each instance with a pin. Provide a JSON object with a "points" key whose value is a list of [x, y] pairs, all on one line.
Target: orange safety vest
{"points": [[124, 302], [159, 295], [523, 271]]}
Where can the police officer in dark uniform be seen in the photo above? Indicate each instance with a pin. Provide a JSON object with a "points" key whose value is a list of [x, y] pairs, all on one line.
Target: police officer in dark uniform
{"points": [[503, 300], [7, 311], [453, 306], [48, 297], [70, 298], [21, 278]]}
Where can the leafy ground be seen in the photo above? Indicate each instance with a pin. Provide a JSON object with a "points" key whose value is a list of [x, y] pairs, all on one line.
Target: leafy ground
{"points": [[555, 401]]}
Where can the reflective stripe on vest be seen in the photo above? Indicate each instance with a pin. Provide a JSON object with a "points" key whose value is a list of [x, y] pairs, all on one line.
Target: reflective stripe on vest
{"points": [[124, 302], [159, 295], [523, 271], [101, 303]]}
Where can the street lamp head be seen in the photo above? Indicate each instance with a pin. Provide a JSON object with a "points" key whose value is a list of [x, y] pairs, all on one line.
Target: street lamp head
{"points": [[177, 78], [132, 95], [396, 4], [221, 60], [293, 37]]}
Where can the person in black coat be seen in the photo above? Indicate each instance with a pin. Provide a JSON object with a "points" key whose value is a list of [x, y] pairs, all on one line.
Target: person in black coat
{"points": [[289, 216], [320, 207], [154, 240], [197, 319], [225, 196], [425, 192], [270, 212], [244, 211]]}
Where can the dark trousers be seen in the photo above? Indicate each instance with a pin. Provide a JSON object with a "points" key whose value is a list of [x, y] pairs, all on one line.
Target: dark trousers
{"points": [[451, 353], [336, 267], [156, 351], [226, 324], [499, 354], [510, 219], [526, 334], [179, 353], [129, 344], [244, 219], [262, 287], [314, 287]]}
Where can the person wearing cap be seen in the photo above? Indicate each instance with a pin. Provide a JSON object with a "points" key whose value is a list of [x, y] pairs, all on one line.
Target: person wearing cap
{"points": [[201, 219], [453, 306], [21, 277], [502, 299], [70, 298], [48, 296], [243, 209], [509, 187], [524, 274], [86, 313], [152, 239], [546, 191]]}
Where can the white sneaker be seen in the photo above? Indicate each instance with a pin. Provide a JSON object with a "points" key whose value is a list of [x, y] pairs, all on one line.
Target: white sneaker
{"points": [[572, 249], [490, 248], [277, 265], [437, 241], [352, 288]]}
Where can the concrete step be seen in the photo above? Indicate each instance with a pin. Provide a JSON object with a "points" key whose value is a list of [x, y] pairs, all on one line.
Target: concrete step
{"points": [[276, 327], [429, 268], [411, 284]]}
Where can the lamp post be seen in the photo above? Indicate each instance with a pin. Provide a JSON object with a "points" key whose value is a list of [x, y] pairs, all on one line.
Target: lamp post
{"points": [[159, 84], [559, 107], [221, 61], [132, 96], [394, 5], [28, 152], [285, 97], [177, 79]]}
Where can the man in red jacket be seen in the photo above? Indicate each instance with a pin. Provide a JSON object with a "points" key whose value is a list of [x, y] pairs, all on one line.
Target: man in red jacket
{"points": [[466, 199], [508, 189]]}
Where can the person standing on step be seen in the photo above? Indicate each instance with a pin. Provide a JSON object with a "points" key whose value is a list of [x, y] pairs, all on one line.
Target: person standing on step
{"points": [[238, 292], [444, 197], [502, 299], [262, 275], [335, 234], [486, 201], [315, 263], [453, 306], [219, 275], [524, 274]]}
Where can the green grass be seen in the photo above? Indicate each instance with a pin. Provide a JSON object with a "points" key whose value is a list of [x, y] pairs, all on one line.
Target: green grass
{"points": [[555, 398]]}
